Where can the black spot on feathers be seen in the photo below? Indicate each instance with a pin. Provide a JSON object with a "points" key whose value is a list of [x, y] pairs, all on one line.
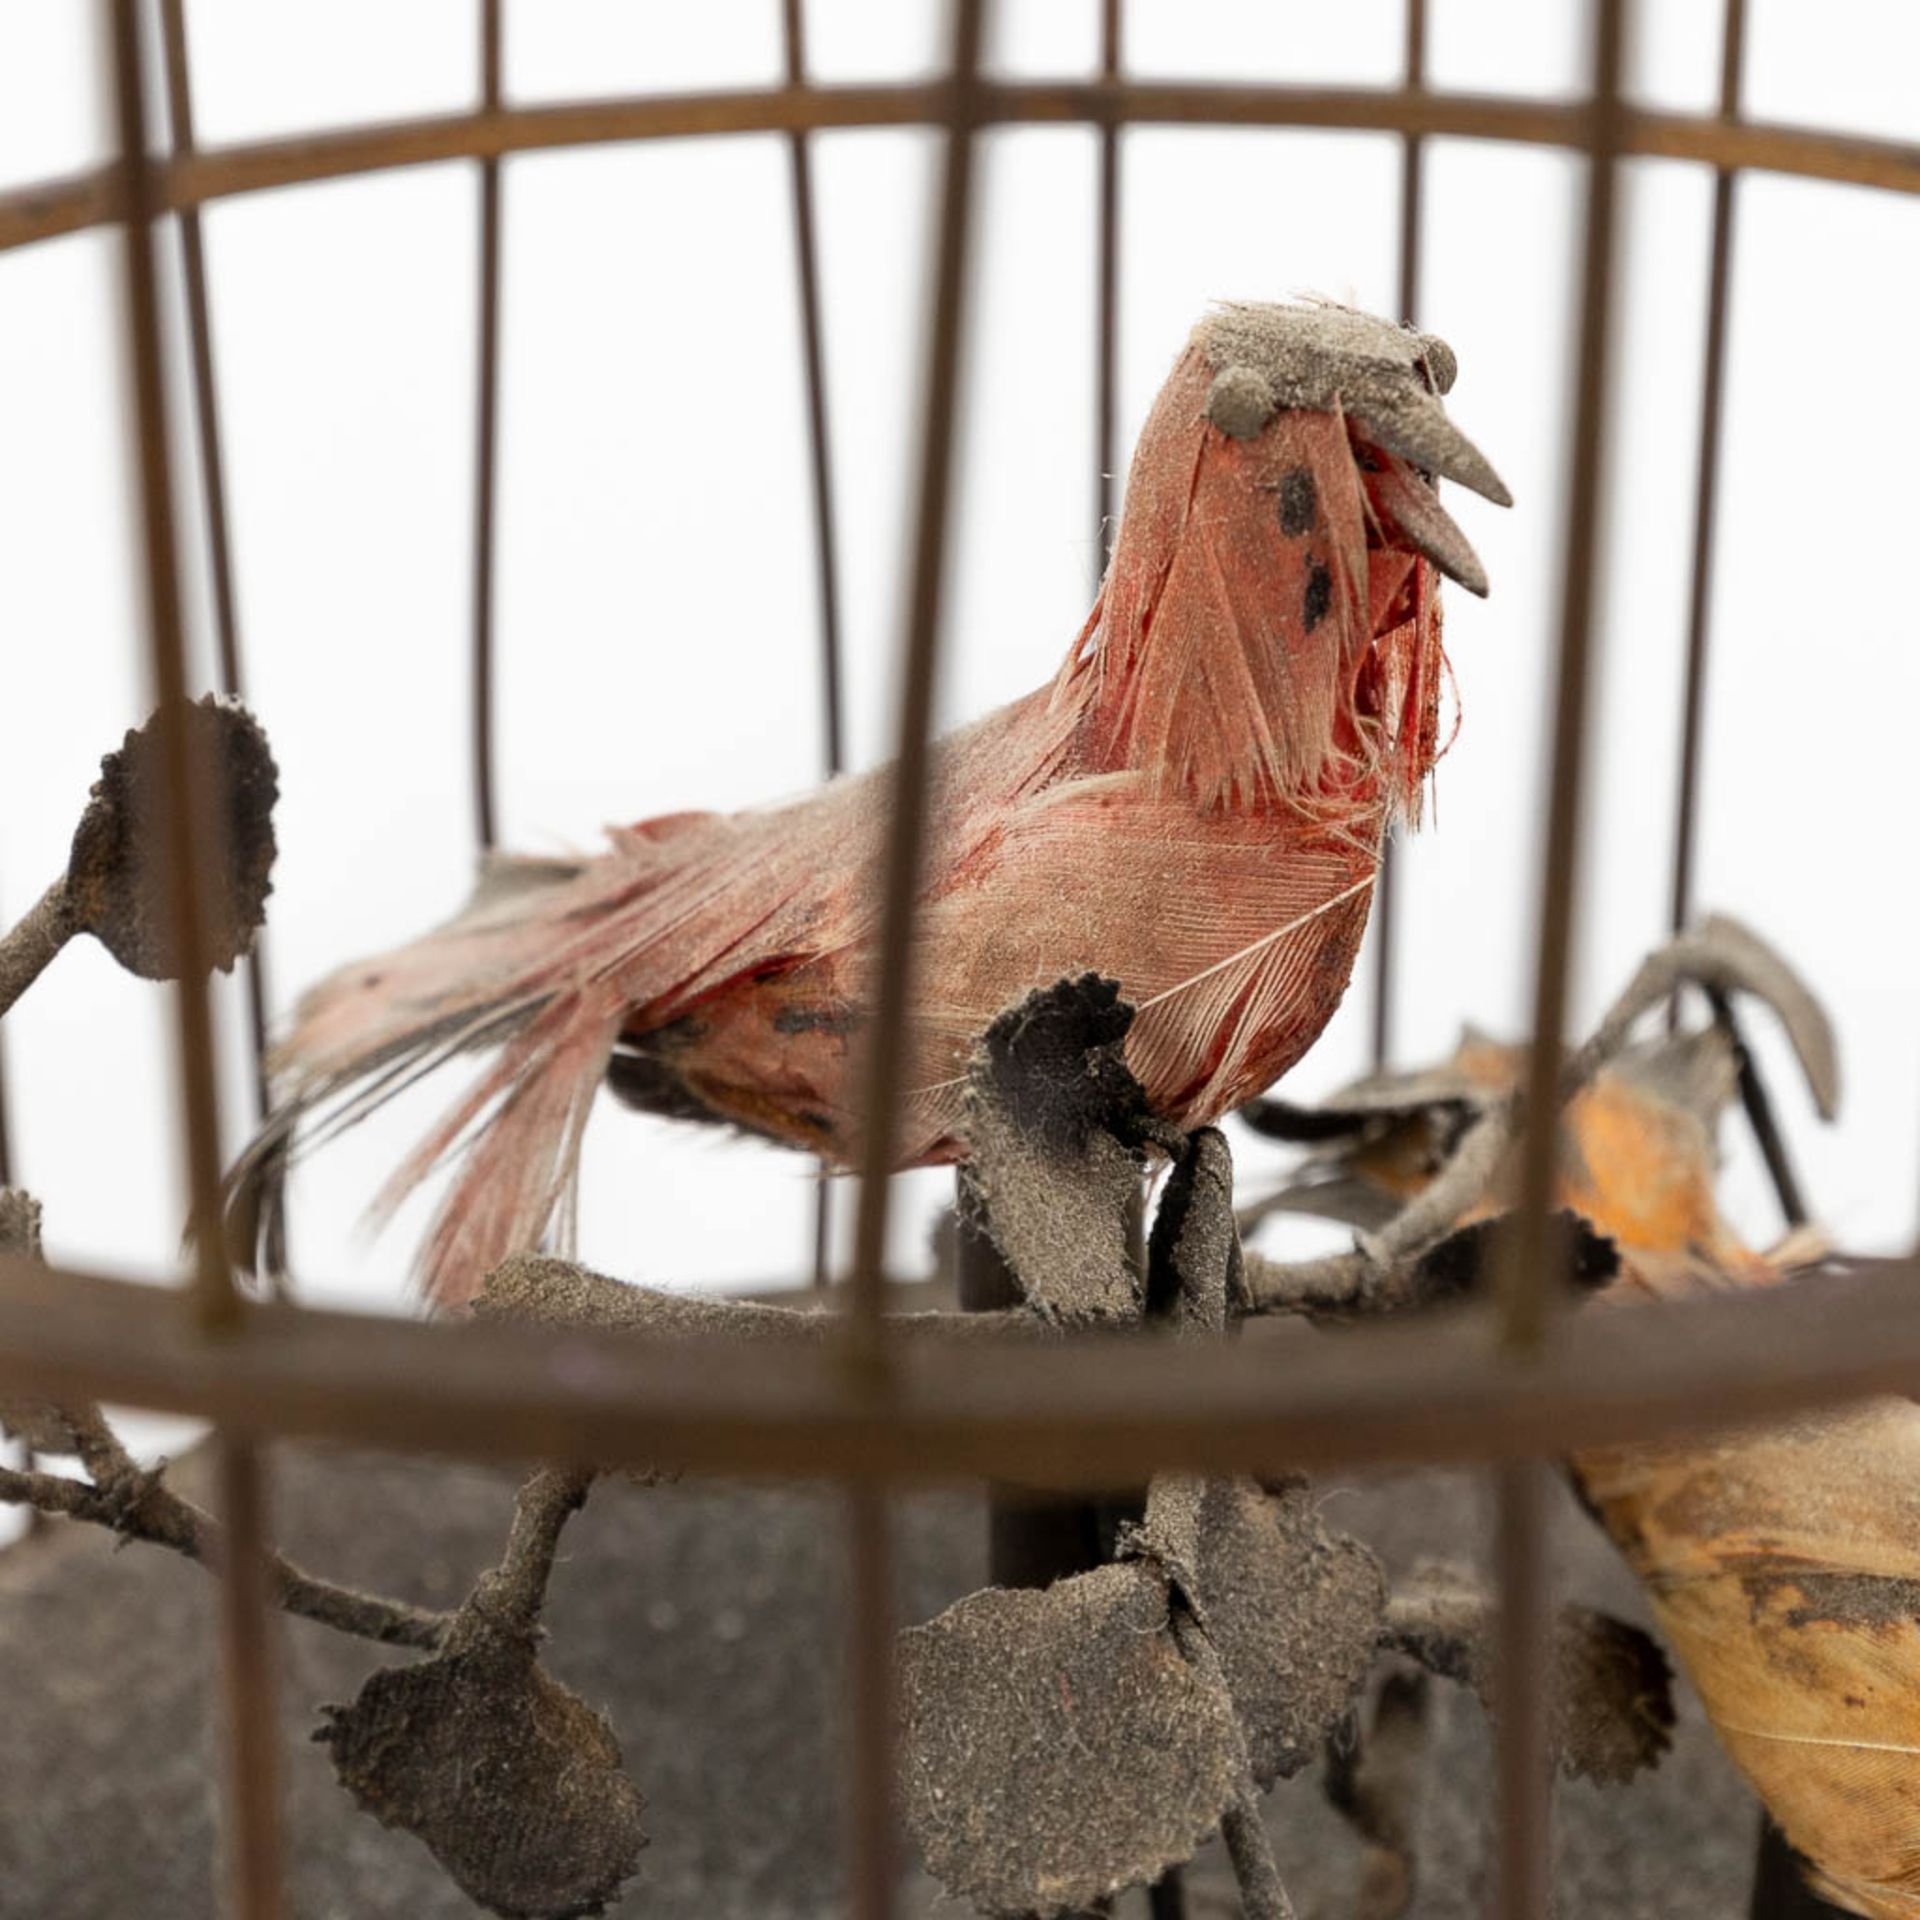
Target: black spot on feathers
{"points": [[831, 1020], [1296, 502], [677, 1035], [1319, 594]]}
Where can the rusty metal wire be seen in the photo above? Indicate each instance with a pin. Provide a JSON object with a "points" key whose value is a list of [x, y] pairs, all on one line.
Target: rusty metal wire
{"points": [[1526, 1277], [1412, 178], [1506, 1389], [486, 419], [806, 254], [252, 1743], [897, 881], [1107, 300], [96, 197], [1713, 383], [213, 488]]}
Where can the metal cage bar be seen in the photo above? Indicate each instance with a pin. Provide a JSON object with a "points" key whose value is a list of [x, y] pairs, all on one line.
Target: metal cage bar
{"points": [[820, 449], [1503, 1389], [216, 1301], [1106, 298], [252, 1736], [806, 254], [1074, 1412], [213, 488], [1412, 180], [1537, 1256], [486, 437], [95, 196], [1713, 381], [896, 880]]}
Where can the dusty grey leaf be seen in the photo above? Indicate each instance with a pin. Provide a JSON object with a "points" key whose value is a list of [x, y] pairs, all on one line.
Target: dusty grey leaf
{"points": [[1049, 1100], [511, 1780], [1056, 1746], [1612, 1713], [1613, 1710], [1193, 1254], [1753, 966], [118, 868], [1295, 1613]]}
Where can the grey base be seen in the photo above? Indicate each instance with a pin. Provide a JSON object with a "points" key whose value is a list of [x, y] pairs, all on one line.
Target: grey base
{"points": [[708, 1624]]}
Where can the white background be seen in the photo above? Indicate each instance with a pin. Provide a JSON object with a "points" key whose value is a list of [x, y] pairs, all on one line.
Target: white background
{"points": [[657, 630]]}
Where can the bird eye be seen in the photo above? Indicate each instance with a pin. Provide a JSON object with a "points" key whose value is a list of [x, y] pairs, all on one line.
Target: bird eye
{"points": [[1437, 362]]}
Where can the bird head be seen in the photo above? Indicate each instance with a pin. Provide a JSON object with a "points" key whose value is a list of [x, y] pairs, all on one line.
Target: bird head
{"points": [[1386, 381], [1269, 629]]}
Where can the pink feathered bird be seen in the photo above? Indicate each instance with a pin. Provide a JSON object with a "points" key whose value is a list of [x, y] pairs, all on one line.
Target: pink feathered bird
{"points": [[1194, 806]]}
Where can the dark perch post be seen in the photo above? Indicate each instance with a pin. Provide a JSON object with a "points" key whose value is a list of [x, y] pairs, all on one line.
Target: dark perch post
{"points": [[1032, 1539]]}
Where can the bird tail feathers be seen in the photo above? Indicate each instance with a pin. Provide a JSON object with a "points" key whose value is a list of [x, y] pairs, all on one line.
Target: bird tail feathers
{"points": [[486, 979]]}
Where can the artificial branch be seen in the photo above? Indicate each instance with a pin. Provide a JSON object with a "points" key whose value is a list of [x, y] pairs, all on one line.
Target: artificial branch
{"points": [[1193, 1264], [27, 947], [138, 1505], [514, 1593], [1375, 1780], [561, 1293], [1613, 1703], [1381, 1273], [1724, 957], [115, 885], [1262, 1896]]}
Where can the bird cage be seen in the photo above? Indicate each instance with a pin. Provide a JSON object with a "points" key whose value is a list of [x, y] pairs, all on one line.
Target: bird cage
{"points": [[863, 1409]]}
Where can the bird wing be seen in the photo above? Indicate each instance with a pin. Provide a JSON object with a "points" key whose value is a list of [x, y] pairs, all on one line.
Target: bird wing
{"points": [[552, 962], [1232, 934]]}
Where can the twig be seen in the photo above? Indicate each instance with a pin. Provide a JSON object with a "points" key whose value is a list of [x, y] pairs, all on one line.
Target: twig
{"points": [[1378, 1276], [1723, 957], [139, 1506], [1193, 1262], [558, 1293], [1612, 1703], [1375, 1781], [512, 1594], [1262, 1897], [1448, 1628], [25, 950]]}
